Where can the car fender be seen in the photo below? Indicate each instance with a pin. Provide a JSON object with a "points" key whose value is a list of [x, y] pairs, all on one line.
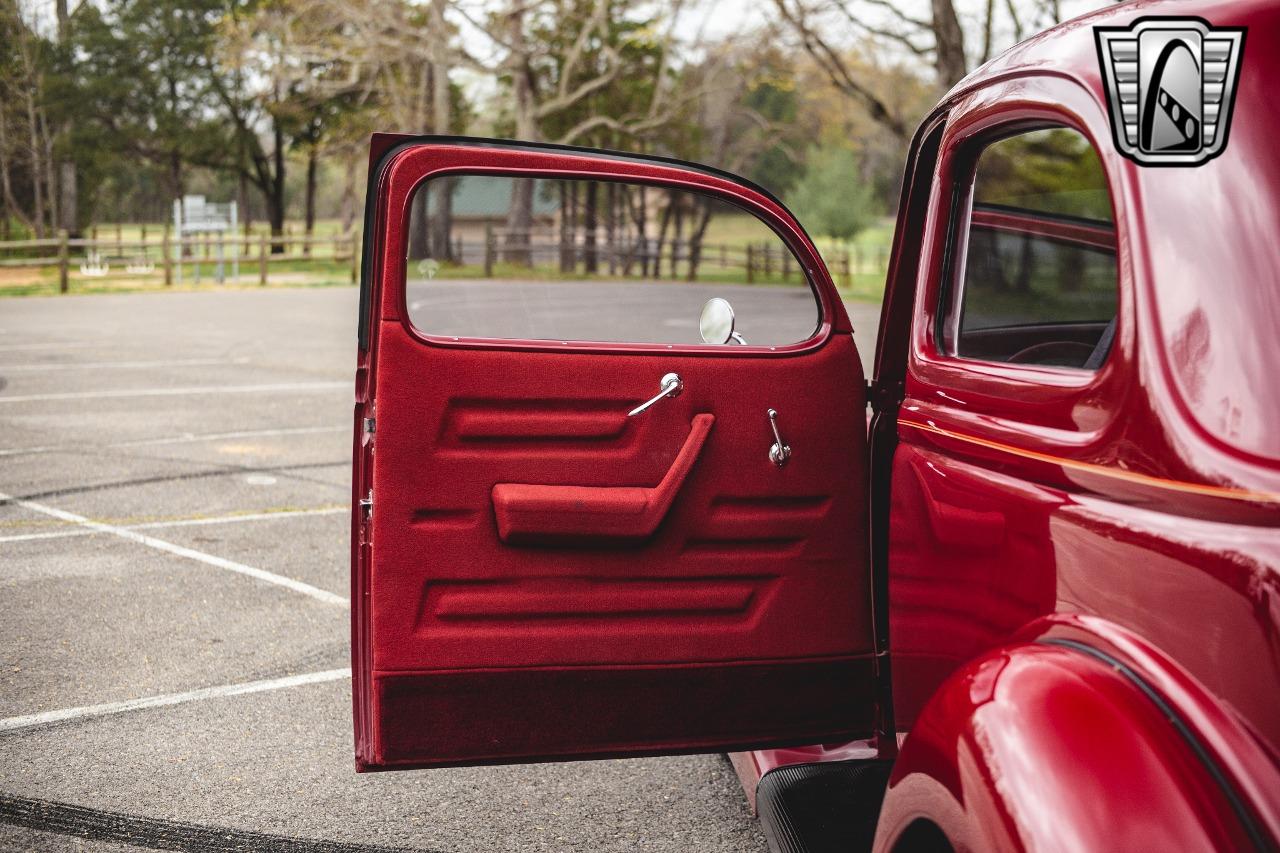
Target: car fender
{"points": [[1045, 746]]}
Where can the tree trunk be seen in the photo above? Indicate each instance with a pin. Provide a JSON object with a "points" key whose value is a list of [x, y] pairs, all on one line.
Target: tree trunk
{"points": [[696, 235], [420, 223], [642, 229], [37, 169], [949, 57], [347, 207], [175, 175], [566, 230], [50, 173], [11, 208], [246, 214], [679, 235], [441, 113], [662, 233], [611, 225], [590, 225], [310, 214], [442, 220], [275, 195], [520, 214], [67, 191]]}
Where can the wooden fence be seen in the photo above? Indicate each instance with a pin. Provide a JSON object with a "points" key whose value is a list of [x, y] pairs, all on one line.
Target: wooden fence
{"points": [[144, 256], [670, 259], [169, 256]]}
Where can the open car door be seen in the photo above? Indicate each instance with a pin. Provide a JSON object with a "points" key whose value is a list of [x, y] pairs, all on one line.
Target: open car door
{"points": [[540, 572]]}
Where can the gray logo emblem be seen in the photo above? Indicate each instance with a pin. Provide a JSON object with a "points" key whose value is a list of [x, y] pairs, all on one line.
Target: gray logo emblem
{"points": [[1171, 82]]}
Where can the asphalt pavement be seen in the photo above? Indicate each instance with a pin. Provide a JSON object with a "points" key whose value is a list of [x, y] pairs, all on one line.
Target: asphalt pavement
{"points": [[173, 618]]}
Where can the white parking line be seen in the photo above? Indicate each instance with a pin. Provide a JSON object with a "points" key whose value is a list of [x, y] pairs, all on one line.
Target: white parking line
{"points": [[182, 522], [188, 553], [178, 392], [185, 438], [12, 724], [101, 365]]}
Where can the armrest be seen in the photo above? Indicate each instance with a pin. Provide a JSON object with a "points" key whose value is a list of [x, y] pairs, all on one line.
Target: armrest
{"points": [[531, 513]]}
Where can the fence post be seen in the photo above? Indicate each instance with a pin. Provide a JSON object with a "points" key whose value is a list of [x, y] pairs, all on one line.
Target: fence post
{"points": [[168, 258], [119, 239], [750, 264], [63, 259], [786, 265], [262, 259], [488, 250]]}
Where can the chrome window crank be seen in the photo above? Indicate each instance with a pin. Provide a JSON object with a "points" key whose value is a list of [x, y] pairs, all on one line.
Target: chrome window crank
{"points": [[781, 451], [671, 386]]}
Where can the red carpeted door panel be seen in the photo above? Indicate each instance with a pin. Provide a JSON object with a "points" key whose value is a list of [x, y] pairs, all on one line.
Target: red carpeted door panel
{"points": [[543, 577]]}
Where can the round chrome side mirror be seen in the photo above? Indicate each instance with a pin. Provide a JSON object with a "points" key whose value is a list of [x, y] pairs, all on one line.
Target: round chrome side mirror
{"points": [[716, 322]]}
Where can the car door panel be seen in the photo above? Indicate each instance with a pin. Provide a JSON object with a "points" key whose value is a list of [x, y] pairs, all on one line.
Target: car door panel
{"points": [[544, 577]]}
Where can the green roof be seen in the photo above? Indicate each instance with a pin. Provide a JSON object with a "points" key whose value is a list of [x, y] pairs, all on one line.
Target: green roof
{"points": [[490, 197]]}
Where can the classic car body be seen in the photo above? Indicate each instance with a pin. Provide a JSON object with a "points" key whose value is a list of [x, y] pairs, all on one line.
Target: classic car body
{"points": [[1032, 607]]}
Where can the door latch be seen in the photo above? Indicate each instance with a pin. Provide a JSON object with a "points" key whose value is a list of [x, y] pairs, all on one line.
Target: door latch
{"points": [[780, 452]]}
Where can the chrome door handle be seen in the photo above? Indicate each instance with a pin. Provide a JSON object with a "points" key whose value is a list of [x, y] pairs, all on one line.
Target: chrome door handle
{"points": [[781, 451], [671, 386]]}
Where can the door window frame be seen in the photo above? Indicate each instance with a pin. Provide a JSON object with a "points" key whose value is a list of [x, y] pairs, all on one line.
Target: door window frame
{"points": [[412, 165], [951, 292], [1024, 393]]}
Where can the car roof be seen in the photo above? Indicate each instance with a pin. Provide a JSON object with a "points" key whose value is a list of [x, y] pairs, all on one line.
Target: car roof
{"points": [[1068, 48]]}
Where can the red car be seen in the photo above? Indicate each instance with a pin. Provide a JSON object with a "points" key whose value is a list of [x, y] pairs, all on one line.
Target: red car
{"points": [[1031, 603]]}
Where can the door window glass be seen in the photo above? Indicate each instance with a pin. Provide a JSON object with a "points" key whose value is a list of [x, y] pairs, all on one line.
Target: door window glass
{"points": [[1037, 280], [581, 260]]}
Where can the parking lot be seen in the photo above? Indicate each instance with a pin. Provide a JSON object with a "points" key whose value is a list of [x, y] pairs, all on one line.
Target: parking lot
{"points": [[173, 604]]}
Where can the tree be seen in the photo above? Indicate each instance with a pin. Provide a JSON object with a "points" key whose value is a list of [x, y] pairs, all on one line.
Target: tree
{"points": [[579, 71], [826, 29], [401, 57], [832, 199], [27, 175], [140, 88]]}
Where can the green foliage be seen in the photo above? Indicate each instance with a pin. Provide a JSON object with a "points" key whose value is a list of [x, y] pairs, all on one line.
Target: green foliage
{"points": [[773, 98], [831, 198], [1051, 171]]}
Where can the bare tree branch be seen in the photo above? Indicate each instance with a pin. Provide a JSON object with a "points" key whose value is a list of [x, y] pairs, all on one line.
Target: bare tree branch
{"points": [[837, 70]]}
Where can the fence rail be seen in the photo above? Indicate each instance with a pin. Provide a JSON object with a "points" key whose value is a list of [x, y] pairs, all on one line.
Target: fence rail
{"points": [[168, 254], [669, 258]]}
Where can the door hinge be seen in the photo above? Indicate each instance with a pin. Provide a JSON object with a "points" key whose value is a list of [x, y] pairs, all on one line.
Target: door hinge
{"points": [[884, 395], [366, 505], [369, 425]]}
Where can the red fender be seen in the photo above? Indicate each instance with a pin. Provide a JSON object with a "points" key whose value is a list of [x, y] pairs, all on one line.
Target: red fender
{"points": [[1047, 748]]}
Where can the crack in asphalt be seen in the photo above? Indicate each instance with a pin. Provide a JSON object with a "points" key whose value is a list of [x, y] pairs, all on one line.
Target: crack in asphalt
{"points": [[158, 834], [221, 471]]}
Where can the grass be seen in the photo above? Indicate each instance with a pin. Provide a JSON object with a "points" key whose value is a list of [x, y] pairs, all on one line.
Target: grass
{"points": [[299, 272]]}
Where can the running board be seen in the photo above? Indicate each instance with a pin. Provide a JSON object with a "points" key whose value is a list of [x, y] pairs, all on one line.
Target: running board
{"points": [[823, 807]]}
